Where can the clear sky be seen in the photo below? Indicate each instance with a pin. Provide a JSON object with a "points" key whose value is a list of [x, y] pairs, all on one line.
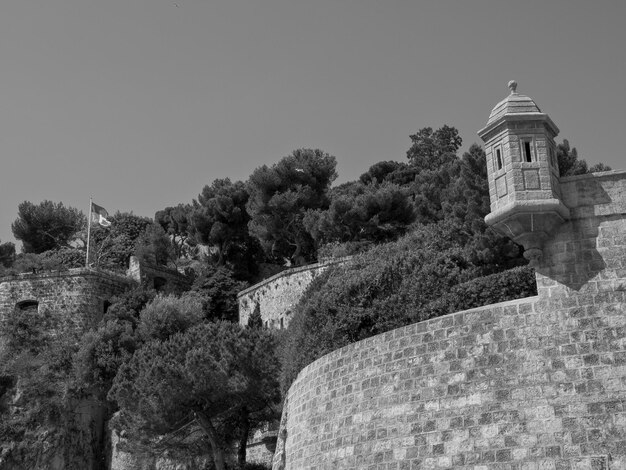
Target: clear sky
{"points": [[140, 103]]}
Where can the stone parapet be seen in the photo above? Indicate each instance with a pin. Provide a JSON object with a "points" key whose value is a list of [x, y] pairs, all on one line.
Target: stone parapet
{"points": [[278, 294], [76, 297]]}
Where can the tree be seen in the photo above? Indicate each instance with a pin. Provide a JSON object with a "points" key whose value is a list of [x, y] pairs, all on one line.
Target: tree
{"points": [[429, 147], [101, 353], [154, 246], [112, 343], [467, 198], [35, 381], [279, 198], [362, 212], [207, 374], [217, 289], [7, 254], [570, 164], [165, 316], [430, 188], [47, 225], [381, 171], [113, 246], [176, 221], [219, 217]]}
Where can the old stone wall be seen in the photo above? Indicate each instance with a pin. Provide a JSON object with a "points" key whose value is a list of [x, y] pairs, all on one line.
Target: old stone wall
{"points": [[277, 295], [537, 383], [75, 300], [161, 278], [262, 444], [588, 253], [77, 297], [122, 458]]}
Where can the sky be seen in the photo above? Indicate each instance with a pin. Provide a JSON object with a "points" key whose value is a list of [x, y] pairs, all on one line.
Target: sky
{"points": [[140, 103]]}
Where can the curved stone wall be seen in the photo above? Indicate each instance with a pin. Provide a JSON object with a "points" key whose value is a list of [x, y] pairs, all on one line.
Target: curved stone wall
{"points": [[531, 384], [517, 385]]}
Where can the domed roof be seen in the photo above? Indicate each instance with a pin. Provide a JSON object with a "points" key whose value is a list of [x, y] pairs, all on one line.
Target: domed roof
{"points": [[515, 103]]}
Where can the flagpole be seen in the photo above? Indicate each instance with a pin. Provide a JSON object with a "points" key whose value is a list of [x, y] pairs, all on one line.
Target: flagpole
{"points": [[88, 232]]}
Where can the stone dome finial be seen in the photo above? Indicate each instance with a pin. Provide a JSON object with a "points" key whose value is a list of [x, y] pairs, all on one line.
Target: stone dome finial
{"points": [[512, 86]]}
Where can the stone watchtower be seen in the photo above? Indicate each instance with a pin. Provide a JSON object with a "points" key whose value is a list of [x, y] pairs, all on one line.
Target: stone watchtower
{"points": [[526, 199]]}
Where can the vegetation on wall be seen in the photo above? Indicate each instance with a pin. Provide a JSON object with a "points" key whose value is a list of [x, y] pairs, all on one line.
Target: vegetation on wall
{"points": [[37, 409], [429, 272]]}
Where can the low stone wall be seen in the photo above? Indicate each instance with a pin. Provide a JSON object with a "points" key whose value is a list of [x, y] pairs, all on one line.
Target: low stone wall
{"points": [[262, 444], [277, 295], [161, 278]]}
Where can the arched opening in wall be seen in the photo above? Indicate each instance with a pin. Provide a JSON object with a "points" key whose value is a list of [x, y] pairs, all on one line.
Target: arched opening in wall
{"points": [[159, 283], [27, 306], [105, 306]]}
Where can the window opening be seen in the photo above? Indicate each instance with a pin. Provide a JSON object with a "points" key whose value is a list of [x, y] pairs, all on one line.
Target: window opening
{"points": [[499, 158], [527, 151]]}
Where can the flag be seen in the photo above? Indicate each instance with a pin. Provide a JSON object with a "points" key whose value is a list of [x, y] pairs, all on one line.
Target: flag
{"points": [[99, 214]]}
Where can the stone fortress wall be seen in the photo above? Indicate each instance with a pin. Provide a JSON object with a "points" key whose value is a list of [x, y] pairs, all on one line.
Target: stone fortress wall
{"points": [[76, 299], [530, 384], [277, 295], [79, 296], [536, 383]]}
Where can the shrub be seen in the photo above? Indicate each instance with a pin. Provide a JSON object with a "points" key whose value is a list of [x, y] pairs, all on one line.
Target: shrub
{"points": [[435, 270], [512, 284]]}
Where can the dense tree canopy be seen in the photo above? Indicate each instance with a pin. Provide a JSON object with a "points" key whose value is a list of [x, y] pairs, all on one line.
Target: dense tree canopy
{"points": [[176, 221], [113, 246], [47, 225], [362, 212], [206, 374], [219, 217], [379, 172], [430, 146], [217, 289], [105, 348], [154, 246], [281, 194]]}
